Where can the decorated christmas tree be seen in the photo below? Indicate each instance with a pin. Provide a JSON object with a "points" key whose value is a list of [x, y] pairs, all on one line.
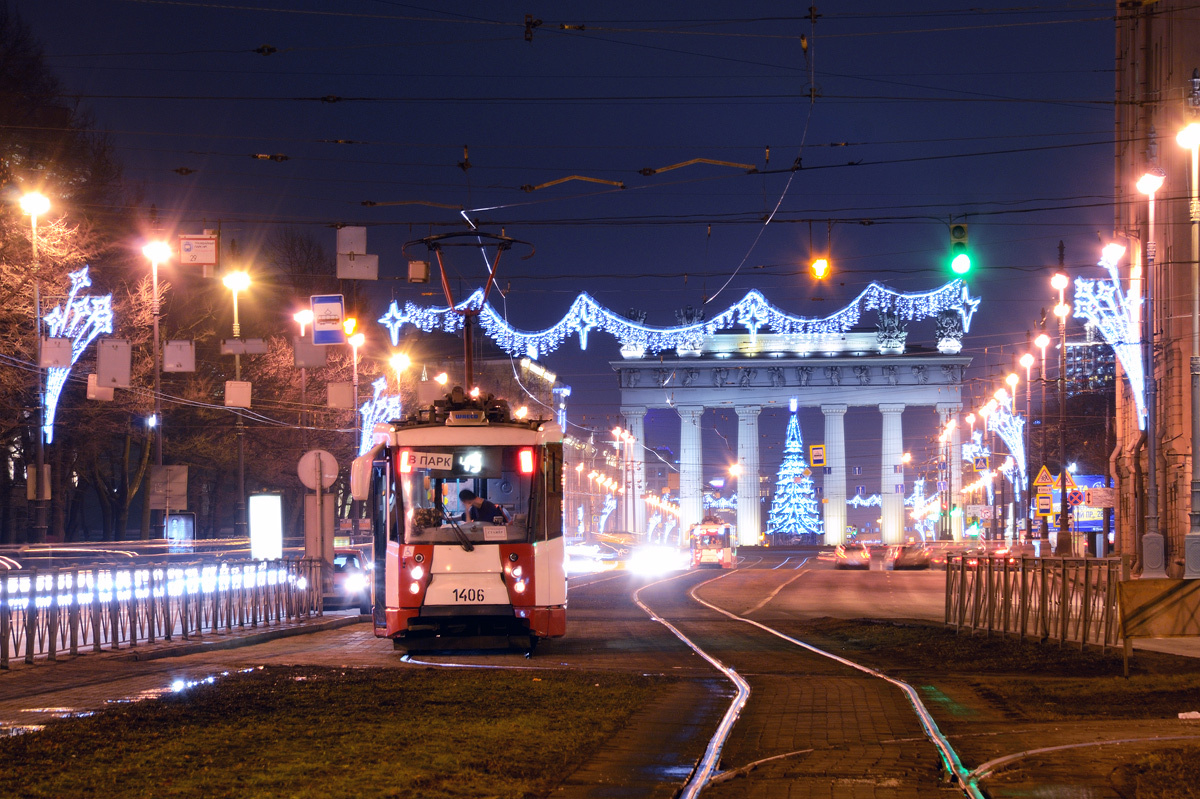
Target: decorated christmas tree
{"points": [[794, 508]]}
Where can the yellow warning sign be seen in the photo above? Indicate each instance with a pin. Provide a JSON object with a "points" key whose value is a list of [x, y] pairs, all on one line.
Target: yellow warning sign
{"points": [[1070, 480], [1044, 478]]}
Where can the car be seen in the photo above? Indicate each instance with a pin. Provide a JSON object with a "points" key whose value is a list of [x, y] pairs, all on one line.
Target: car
{"points": [[852, 556], [351, 580], [911, 556]]}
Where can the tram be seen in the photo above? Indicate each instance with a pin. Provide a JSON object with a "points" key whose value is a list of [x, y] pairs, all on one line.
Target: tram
{"points": [[712, 545], [450, 578]]}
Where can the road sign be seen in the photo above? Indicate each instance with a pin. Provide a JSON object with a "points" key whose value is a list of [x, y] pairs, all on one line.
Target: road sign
{"points": [[198, 250], [1044, 478], [942, 485], [816, 454], [1075, 497], [1045, 505], [981, 463], [1058, 481], [327, 319]]}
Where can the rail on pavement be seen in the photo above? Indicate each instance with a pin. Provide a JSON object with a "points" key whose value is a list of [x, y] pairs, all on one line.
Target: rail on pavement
{"points": [[47, 612], [1069, 600]]}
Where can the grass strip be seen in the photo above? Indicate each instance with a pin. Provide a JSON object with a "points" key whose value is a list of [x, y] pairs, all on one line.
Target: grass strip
{"points": [[312, 732]]}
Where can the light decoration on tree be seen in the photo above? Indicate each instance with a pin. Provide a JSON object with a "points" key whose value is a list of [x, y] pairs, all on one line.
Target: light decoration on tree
{"points": [[81, 319], [670, 525], [794, 507], [652, 524], [1115, 314], [753, 313], [579, 520], [610, 504], [380, 408], [926, 510], [1011, 429]]}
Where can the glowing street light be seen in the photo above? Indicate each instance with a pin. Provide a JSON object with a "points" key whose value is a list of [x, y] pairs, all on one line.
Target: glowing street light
{"points": [[356, 341], [35, 205], [1153, 545], [238, 282], [1189, 139], [157, 252]]}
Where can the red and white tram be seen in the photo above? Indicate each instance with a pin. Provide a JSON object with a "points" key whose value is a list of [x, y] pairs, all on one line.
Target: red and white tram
{"points": [[713, 545], [449, 581]]}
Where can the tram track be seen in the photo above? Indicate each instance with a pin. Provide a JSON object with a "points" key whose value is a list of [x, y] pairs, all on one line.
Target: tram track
{"points": [[706, 770]]}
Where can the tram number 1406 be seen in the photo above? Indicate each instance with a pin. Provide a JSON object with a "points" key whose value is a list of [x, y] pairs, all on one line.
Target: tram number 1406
{"points": [[468, 595]]}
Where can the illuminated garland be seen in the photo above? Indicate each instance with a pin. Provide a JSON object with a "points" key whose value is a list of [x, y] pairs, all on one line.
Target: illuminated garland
{"points": [[720, 503], [610, 504], [80, 319], [975, 449], [752, 313], [1011, 429], [1112, 311], [579, 518], [381, 408], [916, 499], [654, 521]]}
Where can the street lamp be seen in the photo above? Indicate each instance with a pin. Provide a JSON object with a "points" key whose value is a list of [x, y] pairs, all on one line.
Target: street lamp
{"points": [[238, 282], [1027, 362], [1153, 545], [158, 252], [1060, 282], [35, 205], [304, 318], [1189, 139], [356, 341]]}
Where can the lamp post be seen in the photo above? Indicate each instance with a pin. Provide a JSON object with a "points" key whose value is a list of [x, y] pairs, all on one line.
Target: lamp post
{"points": [[1027, 362], [1189, 138], [238, 282], [303, 318], [1060, 282], [1153, 545], [357, 341], [35, 205], [1012, 380], [158, 252], [984, 413], [1041, 342]]}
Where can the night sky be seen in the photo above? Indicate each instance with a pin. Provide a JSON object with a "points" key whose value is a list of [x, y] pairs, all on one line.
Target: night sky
{"points": [[900, 120]]}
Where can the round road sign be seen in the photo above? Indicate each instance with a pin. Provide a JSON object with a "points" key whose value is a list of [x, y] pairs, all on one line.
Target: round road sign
{"points": [[317, 461]]}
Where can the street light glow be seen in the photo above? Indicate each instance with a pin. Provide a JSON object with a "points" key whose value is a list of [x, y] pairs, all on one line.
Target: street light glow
{"points": [[157, 251], [236, 281], [1151, 182], [1059, 281], [357, 340], [1189, 137], [348, 324], [400, 361], [1012, 378], [1027, 360], [35, 204], [1062, 310], [303, 318], [1041, 342]]}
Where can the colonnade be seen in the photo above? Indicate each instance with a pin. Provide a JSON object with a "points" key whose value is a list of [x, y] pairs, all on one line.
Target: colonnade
{"points": [[749, 519]]}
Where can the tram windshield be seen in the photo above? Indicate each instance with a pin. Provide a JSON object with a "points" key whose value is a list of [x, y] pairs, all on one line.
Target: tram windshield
{"points": [[436, 510]]}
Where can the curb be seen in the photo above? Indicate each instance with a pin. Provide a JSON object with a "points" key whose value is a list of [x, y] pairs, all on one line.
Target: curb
{"points": [[194, 647]]}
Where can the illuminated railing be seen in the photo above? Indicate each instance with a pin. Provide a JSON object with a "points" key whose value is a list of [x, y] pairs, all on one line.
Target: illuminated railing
{"points": [[1068, 600], [45, 612]]}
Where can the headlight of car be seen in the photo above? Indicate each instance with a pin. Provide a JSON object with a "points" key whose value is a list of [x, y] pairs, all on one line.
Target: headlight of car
{"points": [[355, 583]]}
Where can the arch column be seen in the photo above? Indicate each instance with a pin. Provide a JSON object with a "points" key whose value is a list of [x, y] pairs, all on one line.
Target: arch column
{"points": [[635, 489], [691, 462], [835, 480], [749, 524], [946, 412], [891, 482]]}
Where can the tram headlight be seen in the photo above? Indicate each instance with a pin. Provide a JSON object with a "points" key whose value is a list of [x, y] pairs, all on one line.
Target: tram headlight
{"points": [[516, 572], [414, 588], [519, 587], [417, 572]]}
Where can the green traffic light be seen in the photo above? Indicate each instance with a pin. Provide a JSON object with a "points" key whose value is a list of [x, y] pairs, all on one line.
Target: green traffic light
{"points": [[961, 264]]}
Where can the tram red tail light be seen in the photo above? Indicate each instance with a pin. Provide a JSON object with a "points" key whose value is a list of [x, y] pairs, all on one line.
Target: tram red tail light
{"points": [[526, 460], [405, 461]]}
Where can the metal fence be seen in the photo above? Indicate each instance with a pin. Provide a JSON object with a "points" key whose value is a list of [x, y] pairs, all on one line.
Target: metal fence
{"points": [[47, 612], [1069, 600]]}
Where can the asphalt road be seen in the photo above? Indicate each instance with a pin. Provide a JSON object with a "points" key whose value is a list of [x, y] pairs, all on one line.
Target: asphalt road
{"points": [[811, 726]]}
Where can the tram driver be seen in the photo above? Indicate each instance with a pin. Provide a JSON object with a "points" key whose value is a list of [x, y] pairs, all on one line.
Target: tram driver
{"points": [[479, 509]]}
